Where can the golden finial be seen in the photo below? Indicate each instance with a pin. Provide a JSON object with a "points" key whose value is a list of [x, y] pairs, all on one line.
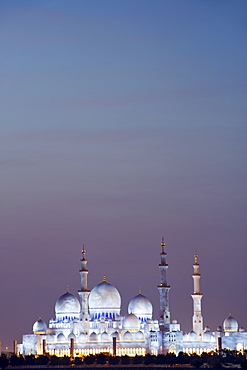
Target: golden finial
{"points": [[67, 289], [104, 278], [163, 245], [140, 290], [196, 256], [83, 249]]}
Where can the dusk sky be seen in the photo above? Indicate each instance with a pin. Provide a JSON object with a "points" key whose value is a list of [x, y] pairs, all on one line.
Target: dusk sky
{"points": [[122, 122]]}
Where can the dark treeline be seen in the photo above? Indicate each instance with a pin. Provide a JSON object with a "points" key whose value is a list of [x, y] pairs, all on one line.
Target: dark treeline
{"points": [[216, 360]]}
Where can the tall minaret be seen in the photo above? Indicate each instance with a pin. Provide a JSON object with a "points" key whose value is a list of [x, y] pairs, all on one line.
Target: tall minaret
{"points": [[164, 313], [84, 292], [197, 320]]}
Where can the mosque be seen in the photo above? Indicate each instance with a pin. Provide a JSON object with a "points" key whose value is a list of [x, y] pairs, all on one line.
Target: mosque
{"points": [[93, 323]]}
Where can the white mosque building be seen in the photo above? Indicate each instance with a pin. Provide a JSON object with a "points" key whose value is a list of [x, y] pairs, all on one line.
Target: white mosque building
{"points": [[93, 323]]}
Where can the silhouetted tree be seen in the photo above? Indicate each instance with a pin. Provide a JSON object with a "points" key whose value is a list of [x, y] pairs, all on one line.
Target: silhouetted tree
{"points": [[54, 360], [114, 360], [3, 361], [137, 360], [215, 360], [205, 356], [161, 359], [125, 360], [183, 358], [149, 359], [89, 360], [65, 360], [42, 360], [101, 359], [30, 360], [171, 358], [78, 360], [16, 360], [196, 360]]}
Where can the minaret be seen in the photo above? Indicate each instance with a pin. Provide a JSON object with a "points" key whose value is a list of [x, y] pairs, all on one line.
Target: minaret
{"points": [[197, 320], [164, 313], [84, 292]]}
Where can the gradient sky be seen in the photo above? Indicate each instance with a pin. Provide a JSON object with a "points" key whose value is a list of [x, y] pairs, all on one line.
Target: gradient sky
{"points": [[122, 122]]}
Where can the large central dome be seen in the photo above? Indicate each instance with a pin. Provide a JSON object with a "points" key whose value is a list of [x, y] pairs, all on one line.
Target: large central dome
{"points": [[104, 300]]}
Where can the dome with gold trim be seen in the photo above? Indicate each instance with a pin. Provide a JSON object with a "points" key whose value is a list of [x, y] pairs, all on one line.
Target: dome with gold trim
{"points": [[230, 324], [39, 327]]}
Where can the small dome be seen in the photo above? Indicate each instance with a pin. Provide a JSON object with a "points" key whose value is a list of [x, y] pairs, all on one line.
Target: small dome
{"points": [[104, 300], [131, 322], [186, 336], [115, 335], [39, 327], [93, 337], [206, 336], [71, 336], [50, 338], [127, 336], [67, 304], [241, 329], [139, 336], [105, 337], [82, 337], [141, 307], [192, 335], [61, 337], [219, 328], [230, 324]]}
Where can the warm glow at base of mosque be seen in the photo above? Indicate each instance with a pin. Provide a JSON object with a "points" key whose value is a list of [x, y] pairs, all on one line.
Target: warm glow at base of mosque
{"points": [[95, 351], [93, 324], [198, 351], [131, 351]]}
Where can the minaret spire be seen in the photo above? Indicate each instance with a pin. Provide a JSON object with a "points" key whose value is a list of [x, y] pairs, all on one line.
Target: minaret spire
{"points": [[163, 287], [83, 270], [84, 292], [197, 320]]}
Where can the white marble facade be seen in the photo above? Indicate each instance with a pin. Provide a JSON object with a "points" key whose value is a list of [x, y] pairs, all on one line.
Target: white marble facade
{"points": [[88, 324]]}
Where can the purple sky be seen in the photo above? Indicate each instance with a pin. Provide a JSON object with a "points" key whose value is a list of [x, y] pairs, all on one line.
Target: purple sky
{"points": [[122, 122]]}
